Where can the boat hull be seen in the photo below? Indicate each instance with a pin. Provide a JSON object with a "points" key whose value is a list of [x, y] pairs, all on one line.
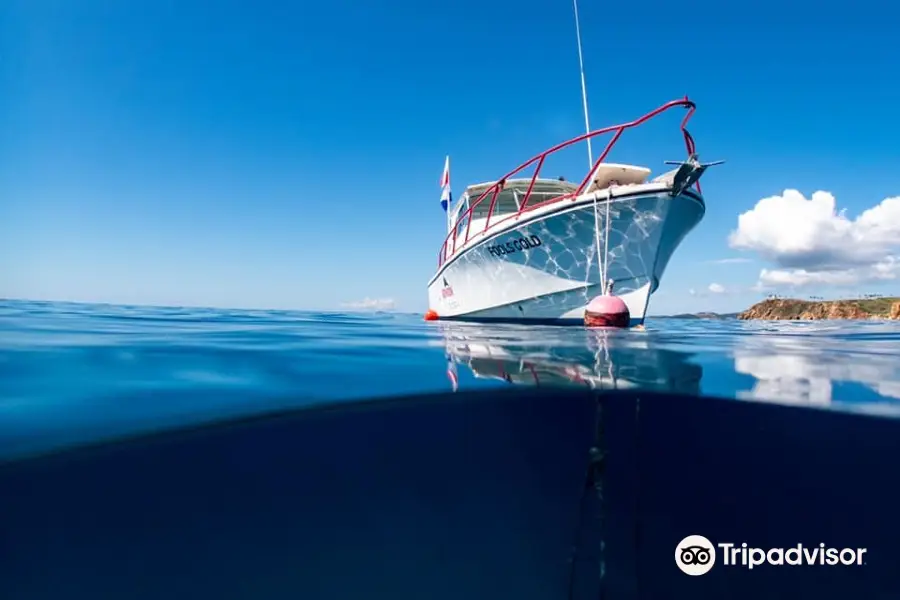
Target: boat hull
{"points": [[545, 268]]}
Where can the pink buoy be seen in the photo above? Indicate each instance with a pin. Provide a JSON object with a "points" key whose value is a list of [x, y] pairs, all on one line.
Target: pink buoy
{"points": [[607, 311]]}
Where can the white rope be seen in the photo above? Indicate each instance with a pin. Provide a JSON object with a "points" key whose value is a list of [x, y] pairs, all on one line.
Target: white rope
{"points": [[606, 242], [597, 236], [602, 255], [609, 364]]}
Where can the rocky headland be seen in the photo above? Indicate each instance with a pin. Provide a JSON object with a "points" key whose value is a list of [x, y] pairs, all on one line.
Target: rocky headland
{"points": [[778, 309]]}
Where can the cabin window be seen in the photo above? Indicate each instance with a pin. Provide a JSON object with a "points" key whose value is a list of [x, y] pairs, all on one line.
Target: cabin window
{"points": [[504, 205], [461, 226], [512, 197]]}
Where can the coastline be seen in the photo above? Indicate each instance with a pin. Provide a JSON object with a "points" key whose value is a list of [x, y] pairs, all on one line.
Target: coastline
{"points": [[788, 309]]}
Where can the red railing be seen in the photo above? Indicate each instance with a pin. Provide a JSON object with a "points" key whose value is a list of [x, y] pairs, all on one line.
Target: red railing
{"points": [[495, 189]]}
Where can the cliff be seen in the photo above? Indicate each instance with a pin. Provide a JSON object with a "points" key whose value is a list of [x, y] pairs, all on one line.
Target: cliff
{"points": [[803, 310]]}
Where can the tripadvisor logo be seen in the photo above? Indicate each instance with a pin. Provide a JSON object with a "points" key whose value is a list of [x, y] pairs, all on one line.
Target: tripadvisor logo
{"points": [[696, 555]]}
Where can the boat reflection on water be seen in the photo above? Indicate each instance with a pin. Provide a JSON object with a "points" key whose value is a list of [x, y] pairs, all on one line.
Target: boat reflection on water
{"points": [[590, 358], [784, 363]]}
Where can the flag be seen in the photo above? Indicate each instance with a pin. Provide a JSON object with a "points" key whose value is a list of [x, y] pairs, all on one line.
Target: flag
{"points": [[446, 196]]}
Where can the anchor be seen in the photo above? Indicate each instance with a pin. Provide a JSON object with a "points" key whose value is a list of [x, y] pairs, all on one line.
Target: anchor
{"points": [[688, 173]]}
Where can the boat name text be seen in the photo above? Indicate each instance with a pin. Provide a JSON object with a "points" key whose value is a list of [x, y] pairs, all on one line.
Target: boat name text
{"points": [[514, 246]]}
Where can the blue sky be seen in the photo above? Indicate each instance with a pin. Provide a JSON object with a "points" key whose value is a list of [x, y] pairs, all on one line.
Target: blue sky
{"points": [[287, 155]]}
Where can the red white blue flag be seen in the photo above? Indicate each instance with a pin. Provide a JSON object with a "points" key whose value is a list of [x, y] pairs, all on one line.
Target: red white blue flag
{"points": [[446, 196]]}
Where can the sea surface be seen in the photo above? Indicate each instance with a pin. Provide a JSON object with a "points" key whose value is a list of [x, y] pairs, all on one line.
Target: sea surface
{"points": [[75, 373]]}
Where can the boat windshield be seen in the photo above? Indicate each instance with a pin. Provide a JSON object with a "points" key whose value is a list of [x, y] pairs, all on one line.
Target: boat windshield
{"points": [[510, 199], [459, 211]]}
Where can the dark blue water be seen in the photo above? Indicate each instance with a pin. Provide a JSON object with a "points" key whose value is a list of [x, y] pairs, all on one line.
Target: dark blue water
{"points": [[71, 373]]}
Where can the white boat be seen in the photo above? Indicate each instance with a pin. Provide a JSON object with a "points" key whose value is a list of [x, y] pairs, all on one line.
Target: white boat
{"points": [[529, 249]]}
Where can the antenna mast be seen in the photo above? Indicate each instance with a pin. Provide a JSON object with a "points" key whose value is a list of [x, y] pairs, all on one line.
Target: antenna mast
{"points": [[587, 124], [601, 267]]}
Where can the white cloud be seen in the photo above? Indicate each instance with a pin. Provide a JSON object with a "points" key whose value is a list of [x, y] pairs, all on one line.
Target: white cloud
{"points": [[885, 270], [729, 261], [371, 304], [785, 374], [812, 243], [711, 289]]}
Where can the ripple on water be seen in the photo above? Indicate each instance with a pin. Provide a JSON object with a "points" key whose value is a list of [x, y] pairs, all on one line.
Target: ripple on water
{"points": [[70, 368]]}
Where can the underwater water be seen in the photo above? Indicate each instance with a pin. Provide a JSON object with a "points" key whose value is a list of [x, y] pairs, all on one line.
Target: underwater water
{"points": [[73, 373]]}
